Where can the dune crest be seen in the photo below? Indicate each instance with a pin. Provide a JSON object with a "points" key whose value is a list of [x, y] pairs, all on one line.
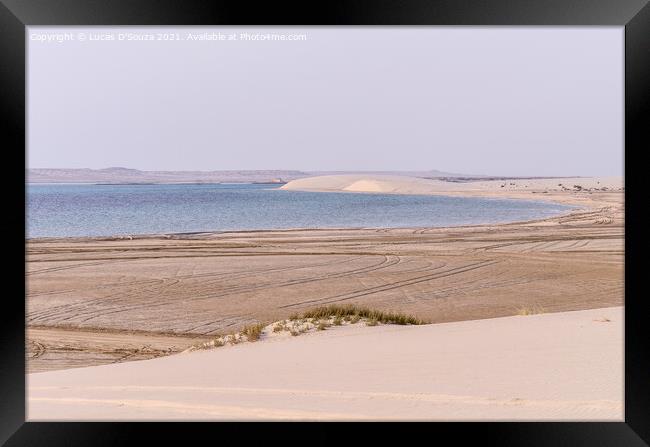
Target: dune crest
{"points": [[369, 183], [499, 367], [366, 185]]}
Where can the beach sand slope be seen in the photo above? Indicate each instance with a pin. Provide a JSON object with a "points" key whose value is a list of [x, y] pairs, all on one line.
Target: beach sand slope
{"points": [[562, 366]]}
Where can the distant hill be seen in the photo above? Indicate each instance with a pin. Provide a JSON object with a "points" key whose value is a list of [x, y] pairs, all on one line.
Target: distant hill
{"points": [[119, 175], [125, 175]]}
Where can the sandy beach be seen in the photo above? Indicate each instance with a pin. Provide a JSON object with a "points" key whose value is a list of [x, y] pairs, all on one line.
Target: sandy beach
{"points": [[97, 301], [563, 366], [579, 191]]}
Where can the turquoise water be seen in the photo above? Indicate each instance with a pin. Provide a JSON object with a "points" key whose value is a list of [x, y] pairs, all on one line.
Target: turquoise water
{"points": [[107, 210]]}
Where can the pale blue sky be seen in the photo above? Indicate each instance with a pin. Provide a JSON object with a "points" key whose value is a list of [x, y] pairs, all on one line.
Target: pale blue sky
{"points": [[498, 101]]}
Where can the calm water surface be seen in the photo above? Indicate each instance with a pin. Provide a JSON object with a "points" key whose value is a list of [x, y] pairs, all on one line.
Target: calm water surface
{"points": [[106, 210]]}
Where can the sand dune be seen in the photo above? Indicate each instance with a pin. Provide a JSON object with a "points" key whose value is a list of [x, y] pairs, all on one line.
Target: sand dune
{"points": [[414, 185], [542, 367], [546, 189], [370, 183]]}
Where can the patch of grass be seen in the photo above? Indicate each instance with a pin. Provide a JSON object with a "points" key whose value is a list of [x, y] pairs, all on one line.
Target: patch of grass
{"points": [[253, 332], [320, 319], [358, 312], [530, 310]]}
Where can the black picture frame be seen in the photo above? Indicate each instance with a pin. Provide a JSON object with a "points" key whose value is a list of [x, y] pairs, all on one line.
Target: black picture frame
{"points": [[634, 15]]}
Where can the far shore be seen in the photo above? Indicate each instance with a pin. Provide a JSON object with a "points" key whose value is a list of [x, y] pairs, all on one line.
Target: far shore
{"points": [[579, 191]]}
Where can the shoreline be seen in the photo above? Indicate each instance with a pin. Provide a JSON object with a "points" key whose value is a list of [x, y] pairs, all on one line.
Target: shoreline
{"points": [[194, 286], [560, 201], [545, 189]]}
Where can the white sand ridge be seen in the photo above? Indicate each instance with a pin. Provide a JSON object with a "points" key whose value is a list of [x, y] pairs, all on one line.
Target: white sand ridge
{"points": [[563, 366]]}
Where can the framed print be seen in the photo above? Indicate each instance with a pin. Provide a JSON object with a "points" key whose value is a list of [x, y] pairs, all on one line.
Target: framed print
{"points": [[371, 212]]}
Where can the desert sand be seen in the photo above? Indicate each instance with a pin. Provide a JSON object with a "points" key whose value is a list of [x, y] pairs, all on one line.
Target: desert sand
{"points": [[110, 301], [561, 366], [92, 301], [545, 189]]}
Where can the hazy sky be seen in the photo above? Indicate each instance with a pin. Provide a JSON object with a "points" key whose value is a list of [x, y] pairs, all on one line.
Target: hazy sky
{"points": [[500, 101]]}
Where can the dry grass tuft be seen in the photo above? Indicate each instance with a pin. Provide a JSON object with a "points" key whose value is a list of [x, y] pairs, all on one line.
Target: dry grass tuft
{"points": [[358, 312], [253, 332], [315, 319], [532, 310]]}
